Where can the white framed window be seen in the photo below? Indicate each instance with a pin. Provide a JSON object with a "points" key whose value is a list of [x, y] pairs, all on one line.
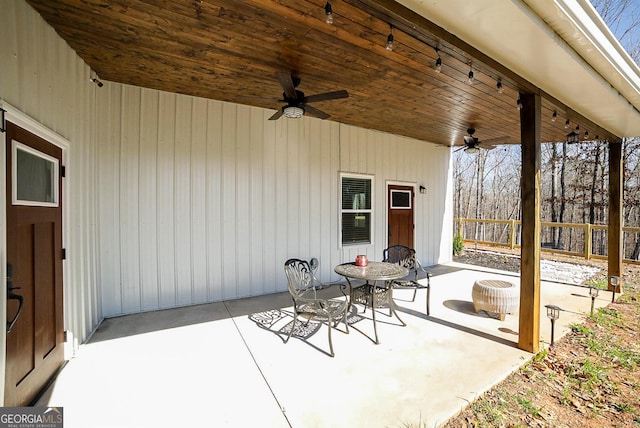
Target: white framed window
{"points": [[34, 177], [356, 213]]}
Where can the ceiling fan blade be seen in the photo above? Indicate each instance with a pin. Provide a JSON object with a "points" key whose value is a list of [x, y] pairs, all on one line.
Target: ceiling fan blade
{"points": [[250, 98], [277, 114], [459, 148], [315, 112], [287, 85], [468, 139], [325, 96], [491, 143]]}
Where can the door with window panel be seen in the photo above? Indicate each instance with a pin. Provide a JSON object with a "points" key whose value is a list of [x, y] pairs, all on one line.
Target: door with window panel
{"points": [[400, 215], [35, 331]]}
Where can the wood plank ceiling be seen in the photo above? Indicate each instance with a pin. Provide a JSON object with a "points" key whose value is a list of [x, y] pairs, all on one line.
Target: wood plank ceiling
{"points": [[230, 50]]}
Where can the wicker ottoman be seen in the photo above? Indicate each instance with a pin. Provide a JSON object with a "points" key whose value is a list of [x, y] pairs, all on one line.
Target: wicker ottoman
{"points": [[500, 297]]}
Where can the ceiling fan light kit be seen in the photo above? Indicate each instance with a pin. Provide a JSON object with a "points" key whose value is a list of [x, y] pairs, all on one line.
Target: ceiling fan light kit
{"points": [[471, 150], [297, 103], [471, 143], [293, 112]]}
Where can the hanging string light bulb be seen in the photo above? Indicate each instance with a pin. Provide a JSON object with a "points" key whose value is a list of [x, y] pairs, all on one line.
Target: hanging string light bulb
{"points": [[328, 10], [470, 76], [390, 39]]}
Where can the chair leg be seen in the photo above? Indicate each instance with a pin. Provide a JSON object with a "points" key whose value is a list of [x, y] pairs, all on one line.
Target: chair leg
{"points": [[295, 317], [344, 320], [415, 290], [330, 342], [428, 297]]}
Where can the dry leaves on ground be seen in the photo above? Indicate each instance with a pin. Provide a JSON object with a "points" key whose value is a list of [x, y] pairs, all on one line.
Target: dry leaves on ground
{"points": [[589, 378]]}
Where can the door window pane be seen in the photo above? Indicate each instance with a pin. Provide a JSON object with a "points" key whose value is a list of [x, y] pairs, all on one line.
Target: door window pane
{"points": [[401, 199], [35, 177]]}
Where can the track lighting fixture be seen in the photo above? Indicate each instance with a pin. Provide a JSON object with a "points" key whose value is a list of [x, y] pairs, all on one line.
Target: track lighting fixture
{"points": [[390, 39], [566, 124], [554, 116], [438, 66], [329, 12], [470, 75], [499, 86]]}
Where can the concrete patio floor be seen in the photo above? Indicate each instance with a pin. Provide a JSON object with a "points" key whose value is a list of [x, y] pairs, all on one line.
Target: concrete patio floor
{"points": [[214, 366]]}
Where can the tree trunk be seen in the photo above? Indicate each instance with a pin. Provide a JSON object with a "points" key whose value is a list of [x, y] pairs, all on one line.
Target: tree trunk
{"points": [[563, 197], [481, 158], [594, 182], [554, 193]]}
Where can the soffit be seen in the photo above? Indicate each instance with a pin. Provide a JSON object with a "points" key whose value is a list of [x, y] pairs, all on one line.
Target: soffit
{"points": [[230, 51]]}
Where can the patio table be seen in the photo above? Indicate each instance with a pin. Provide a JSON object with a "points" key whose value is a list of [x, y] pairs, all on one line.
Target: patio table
{"points": [[370, 293]]}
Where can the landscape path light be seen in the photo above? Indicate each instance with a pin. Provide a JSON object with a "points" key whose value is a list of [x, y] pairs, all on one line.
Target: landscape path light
{"points": [[593, 292], [553, 313], [615, 282]]}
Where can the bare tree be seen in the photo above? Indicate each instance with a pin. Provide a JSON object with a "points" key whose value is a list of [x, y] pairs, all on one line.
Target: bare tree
{"points": [[623, 18]]}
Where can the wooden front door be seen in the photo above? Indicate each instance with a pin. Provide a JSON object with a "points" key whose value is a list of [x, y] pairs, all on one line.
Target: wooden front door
{"points": [[400, 215], [34, 264]]}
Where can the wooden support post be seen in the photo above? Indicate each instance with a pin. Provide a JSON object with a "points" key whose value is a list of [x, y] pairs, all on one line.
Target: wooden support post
{"points": [[529, 327], [615, 255], [588, 241]]}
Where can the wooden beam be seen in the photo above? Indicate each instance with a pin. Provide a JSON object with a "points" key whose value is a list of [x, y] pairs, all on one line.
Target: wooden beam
{"points": [[529, 328], [426, 31], [615, 255]]}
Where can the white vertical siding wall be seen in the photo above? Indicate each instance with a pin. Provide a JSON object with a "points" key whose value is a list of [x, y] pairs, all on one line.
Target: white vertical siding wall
{"points": [[41, 76], [202, 200], [174, 200]]}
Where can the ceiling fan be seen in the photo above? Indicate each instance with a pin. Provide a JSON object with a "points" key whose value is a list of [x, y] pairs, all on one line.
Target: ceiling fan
{"points": [[297, 103], [472, 144]]}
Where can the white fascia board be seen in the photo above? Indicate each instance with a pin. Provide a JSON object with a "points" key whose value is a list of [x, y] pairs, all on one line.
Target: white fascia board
{"points": [[585, 31], [521, 35]]}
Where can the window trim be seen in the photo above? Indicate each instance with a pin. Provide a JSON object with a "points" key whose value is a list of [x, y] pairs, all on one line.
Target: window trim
{"points": [[15, 146], [341, 211], [395, 207]]}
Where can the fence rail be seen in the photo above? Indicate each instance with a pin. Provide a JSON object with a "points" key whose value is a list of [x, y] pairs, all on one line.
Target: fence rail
{"points": [[574, 239]]}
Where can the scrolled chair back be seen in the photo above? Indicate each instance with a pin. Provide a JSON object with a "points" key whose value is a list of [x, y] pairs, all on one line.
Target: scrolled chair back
{"points": [[298, 277], [400, 254]]}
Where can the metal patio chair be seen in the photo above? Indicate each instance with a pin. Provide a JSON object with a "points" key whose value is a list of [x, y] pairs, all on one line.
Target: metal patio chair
{"points": [[406, 257], [306, 303]]}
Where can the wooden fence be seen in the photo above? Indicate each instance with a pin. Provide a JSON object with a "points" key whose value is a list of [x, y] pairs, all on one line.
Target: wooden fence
{"points": [[574, 239]]}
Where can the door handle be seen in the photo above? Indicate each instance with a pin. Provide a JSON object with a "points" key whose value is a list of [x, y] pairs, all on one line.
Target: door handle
{"points": [[13, 296]]}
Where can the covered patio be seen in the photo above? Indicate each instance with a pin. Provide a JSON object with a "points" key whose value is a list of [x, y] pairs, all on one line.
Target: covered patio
{"points": [[149, 369], [178, 189]]}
